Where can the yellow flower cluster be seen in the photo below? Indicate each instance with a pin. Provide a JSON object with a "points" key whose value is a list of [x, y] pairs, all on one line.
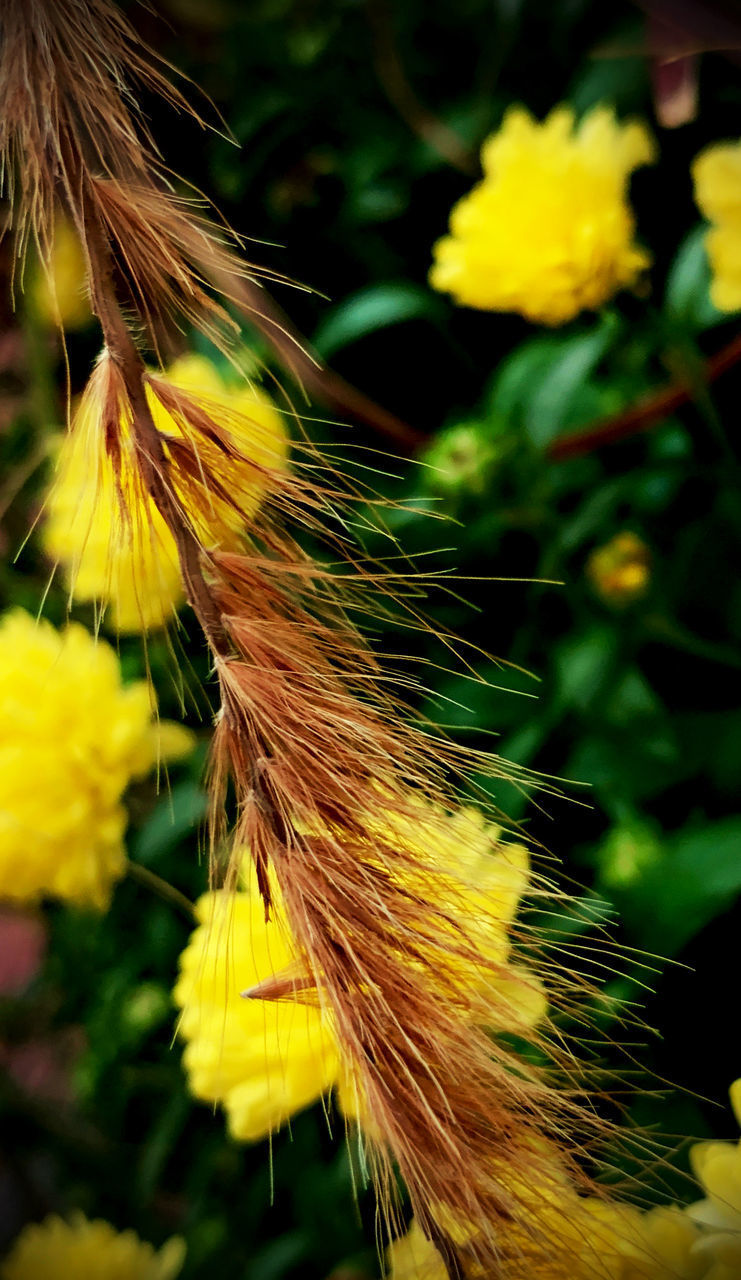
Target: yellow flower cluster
{"points": [[134, 568], [717, 176], [263, 1061], [72, 737], [592, 1239], [620, 571], [59, 296], [549, 231], [83, 1250]]}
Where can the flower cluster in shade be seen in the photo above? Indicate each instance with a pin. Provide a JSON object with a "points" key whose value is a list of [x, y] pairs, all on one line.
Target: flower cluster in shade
{"points": [[620, 570], [131, 564], [264, 1060], [717, 177], [594, 1239], [72, 738], [549, 231], [80, 1249]]}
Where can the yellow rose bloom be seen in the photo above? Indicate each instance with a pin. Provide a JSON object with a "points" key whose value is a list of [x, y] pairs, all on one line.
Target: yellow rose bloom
{"points": [[59, 296], [549, 230], [717, 177], [72, 737], [135, 568], [264, 1060], [79, 1249]]}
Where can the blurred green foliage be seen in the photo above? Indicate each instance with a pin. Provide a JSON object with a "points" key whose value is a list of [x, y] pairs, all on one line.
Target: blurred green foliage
{"points": [[638, 704]]}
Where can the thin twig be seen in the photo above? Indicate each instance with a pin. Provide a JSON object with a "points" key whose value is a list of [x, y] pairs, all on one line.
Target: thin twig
{"points": [[162, 888], [308, 371]]}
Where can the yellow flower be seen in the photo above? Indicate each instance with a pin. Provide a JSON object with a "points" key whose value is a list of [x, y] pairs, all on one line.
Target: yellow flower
{"points": [[620, 571], [664, 1248], [549, 231], [83, 1250], [579, 1239], [264, 1060], [717, 1167], [261, 1060], [60, 296], [717, 177], [413, 1257], [721, 1257], [71, 739], [135, 569]]}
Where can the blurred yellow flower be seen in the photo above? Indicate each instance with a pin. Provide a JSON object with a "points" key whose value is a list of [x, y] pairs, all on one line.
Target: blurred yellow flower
{"points": [[717, 177], [549, 230], [717, 1167], [72, 737], [620, 571], [721, 1257], [265, 1060], [664, 1248], [579, 1239], [593, 1239], [135, 568], [80, 1249], [413, 1257], [59, 296]]}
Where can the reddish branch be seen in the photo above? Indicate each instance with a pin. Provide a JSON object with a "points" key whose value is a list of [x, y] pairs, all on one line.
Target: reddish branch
{"points": [[647, 412], [420, 119], [315, 378]]}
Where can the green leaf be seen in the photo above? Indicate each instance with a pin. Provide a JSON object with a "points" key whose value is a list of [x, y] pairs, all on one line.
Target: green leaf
{"points": [[698, 878], [175, 816], [377, 307], [583, 663], [687, 298], [545, 384], [512, 385], [622, 82], [553, 404]]}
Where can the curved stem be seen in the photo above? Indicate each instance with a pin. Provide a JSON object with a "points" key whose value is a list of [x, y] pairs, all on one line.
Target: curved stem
{"points": [[393, 78], [162, 888]]}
